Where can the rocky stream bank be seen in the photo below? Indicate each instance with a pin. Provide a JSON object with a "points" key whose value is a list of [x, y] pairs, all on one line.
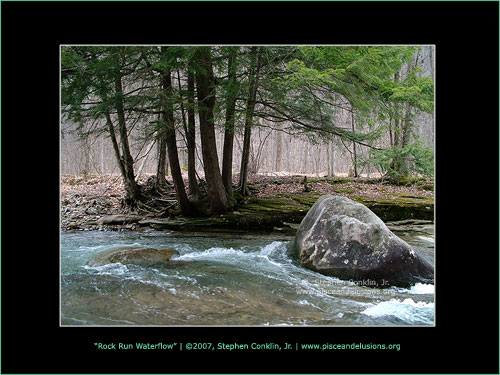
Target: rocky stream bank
{"points": [[278, 205]]}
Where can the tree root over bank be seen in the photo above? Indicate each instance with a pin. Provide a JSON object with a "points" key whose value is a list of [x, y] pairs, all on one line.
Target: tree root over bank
{"points": [[157, 199]]}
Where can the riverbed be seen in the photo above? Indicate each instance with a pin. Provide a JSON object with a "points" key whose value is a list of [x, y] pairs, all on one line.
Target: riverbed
{"points": [[231, 281]]}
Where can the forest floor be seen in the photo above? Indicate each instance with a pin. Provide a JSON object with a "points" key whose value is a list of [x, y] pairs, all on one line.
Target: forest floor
{"points": [[86, 199]]}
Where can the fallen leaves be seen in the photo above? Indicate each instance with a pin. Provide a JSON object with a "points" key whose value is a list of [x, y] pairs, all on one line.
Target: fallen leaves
{"points": [[84, 199]]}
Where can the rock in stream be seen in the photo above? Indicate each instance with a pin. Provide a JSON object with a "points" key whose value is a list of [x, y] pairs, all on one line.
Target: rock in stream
{"points": [[133, 255], [342, 238]]}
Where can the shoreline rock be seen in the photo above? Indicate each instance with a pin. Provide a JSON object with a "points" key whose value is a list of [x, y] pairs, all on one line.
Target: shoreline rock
{"points": [[119, 219], [342, 238]]}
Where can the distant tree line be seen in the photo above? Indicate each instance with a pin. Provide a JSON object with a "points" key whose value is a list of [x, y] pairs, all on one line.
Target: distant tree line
{"points": [[355, 95]]}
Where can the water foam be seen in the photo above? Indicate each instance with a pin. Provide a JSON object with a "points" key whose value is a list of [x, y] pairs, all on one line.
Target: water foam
{"points": [[90, 248], [231, 255], [108, 269], [271, 248], [407, 310], [131, 273], [426, 239], [418, 288], [305, 302], [159, 283], [422, 289], [214, 253]]}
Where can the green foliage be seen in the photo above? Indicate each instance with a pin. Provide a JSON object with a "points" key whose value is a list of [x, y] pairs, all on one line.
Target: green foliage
{"points": [[367, 80], [305, 87], [418, 159]]}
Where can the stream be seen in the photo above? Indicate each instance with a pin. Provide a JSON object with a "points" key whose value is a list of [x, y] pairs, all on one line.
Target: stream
{"points": [[228, 281]]}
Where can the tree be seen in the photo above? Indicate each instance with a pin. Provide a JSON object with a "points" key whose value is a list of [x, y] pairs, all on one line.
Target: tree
{"points": [[253, 82], [194, 190], [367, 82], [126, 160], [366, 99], [169, 129], [411, 95], [232, 90], [205, 84], [92, 89]]}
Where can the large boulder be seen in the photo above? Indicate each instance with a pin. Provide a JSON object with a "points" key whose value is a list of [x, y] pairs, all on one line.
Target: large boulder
{"points": [[133, 255], [342, 238]]}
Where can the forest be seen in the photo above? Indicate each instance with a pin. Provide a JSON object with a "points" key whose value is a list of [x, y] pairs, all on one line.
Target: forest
{"points": [[203, 121], [247, 185]]}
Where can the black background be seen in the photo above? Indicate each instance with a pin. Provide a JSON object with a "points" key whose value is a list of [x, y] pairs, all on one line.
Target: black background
{"points": [[465, 339]]}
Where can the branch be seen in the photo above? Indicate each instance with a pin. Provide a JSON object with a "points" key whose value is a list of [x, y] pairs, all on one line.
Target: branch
{"points": [[333, 131]]}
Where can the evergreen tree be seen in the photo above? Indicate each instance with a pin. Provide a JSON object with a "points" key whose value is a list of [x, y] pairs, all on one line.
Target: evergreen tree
{"points": [[205, 83], [92, 89]]}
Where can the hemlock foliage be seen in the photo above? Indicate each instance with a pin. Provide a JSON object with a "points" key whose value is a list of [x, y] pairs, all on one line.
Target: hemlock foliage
{"points": [[357, 95]]}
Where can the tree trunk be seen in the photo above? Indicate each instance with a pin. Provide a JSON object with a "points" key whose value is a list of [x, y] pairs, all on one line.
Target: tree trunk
{"points": [[245, 156], [390, 131], [162, 156], [288, 168], [227, 152], [355, 162], [116, 148], [405, 140], [328, 160], [131, 189], [205, 83], [252, 92], [406, 127], [279, 148], [395, 166], [306, 158], [194, 189], [168, 117], [144, 160], [431, 62], [102, 155], [158, 147], [333, 158]]}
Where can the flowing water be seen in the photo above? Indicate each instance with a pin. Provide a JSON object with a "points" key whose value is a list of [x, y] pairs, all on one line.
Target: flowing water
{"points": [[221, 281]]}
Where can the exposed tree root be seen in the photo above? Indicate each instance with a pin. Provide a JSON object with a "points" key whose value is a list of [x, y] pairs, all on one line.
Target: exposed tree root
{"points": [[155, 199]]}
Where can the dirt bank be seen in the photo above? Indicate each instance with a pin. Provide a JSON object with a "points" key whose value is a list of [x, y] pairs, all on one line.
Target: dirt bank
{"points": [[278, 203]]}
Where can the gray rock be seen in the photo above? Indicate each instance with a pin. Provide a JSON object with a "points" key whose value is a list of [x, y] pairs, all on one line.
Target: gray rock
{"points": [[133, 255], [149, 221], [119, 219], [342, 238]]}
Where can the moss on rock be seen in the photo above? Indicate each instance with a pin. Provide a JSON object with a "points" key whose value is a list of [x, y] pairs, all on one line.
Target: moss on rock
{"points": [[264, 215], [400, 207]]}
